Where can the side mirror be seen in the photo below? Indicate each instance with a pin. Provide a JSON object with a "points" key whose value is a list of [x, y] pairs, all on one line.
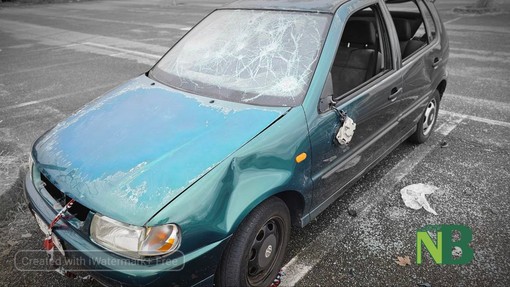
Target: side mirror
{"points": [[326, 101]]}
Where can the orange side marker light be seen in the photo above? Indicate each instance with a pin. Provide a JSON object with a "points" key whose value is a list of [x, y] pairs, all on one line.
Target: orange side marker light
{"points": [[301, 157]]}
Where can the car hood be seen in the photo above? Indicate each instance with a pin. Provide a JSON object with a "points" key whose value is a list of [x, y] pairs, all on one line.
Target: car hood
{"points": [[129, 153]]}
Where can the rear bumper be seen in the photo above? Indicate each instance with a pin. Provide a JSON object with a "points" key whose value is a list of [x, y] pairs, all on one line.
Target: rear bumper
{"points": [[195, 268]]}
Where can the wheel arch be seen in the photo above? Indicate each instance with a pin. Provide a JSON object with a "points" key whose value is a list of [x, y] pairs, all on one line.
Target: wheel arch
{"points": [[441, 88], [295, 203]]}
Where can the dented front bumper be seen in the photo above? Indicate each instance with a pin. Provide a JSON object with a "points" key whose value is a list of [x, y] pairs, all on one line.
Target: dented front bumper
{"points": [[194, 269]]}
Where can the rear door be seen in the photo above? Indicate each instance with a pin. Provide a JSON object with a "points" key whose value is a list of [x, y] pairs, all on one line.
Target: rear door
{"points": [[420, 57]]}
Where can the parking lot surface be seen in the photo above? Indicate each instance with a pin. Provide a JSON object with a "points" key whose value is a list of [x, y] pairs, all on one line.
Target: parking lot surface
{"points": [[54, 58]]}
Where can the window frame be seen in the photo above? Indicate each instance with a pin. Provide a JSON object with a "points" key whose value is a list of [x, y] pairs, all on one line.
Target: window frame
{"points": [[428, 46], [423, 10], [382, 24]]}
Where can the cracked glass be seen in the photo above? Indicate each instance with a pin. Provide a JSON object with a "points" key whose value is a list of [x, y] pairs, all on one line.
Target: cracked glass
{"points": [[252, 56]]}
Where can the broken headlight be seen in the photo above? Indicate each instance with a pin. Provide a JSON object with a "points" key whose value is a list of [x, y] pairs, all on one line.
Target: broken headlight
{"points": [[134, 241]]}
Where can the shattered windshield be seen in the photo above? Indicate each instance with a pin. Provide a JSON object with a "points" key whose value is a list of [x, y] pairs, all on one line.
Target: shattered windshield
{"points": [[252, 56]]}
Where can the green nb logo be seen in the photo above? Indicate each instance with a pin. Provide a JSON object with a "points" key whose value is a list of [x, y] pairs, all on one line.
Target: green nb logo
{"points": [[451, 246]]}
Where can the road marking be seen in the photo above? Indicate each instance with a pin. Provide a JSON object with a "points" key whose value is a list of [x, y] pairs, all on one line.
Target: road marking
{"points": [[478, 28], [102, 45], [147, 55], [96, 19], [30, 103], [476, 119], [480, 55], [481, 103], [480, 58], [475, 74], [452, 20], [482, 52], [306, 259], [51, 66]]}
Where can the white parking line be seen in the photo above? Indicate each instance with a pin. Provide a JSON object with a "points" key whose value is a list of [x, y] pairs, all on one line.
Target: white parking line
{"points": [[30, 103], [480, 102], [472, 29], [452, 20], [127, 51], [98, 44], [480, 58], [476, 119]]}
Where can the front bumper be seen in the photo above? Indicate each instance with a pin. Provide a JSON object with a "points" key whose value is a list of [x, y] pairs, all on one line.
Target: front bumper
{"points": [[193, 269]]}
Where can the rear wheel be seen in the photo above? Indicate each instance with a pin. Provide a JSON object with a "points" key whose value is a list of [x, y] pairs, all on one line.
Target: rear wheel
{"points": [[255, 253], [428, 120]]}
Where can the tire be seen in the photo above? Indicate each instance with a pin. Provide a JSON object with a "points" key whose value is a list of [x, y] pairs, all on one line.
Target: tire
{"points": [[428, 120], [255, 253]]}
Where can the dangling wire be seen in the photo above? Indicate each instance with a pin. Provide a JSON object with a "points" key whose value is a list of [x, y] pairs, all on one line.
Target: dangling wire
{"points": [[341, 114]]}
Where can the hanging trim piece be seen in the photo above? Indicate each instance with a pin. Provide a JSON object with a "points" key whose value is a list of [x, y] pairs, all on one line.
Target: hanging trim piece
{"points": [[346, 131]]}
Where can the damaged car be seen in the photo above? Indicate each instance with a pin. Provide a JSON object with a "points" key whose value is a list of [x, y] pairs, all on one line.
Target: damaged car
{"points": [[258, 119]]}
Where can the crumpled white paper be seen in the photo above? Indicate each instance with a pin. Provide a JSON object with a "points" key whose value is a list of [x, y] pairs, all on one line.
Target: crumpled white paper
{"points": [[414, 196]]}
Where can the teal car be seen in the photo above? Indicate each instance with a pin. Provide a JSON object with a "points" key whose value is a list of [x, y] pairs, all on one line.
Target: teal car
{"points": [[258, 119]]}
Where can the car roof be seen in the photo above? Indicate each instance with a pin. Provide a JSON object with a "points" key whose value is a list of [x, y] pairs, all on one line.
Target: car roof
{"points": [[321, 6]]}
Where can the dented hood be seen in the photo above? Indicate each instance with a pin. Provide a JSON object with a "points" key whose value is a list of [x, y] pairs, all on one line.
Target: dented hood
{"points": [[129, 153]]}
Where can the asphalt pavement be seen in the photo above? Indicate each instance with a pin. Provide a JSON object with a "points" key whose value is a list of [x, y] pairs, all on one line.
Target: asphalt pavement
{"points": [[54, 58]]}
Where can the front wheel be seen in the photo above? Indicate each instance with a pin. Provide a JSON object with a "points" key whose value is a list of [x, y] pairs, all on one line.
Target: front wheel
{"points": [[428, 120], [255, 253]]}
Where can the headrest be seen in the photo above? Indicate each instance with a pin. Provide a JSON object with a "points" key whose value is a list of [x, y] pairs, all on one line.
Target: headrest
{"points": [[359, 32], [403, 27]]}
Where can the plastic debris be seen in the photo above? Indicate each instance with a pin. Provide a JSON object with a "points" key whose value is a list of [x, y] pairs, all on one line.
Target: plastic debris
{"points": [[414, 196]]}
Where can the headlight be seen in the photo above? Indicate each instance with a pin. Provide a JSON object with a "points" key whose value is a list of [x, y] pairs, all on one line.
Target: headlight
{"points": [[134, 241]]}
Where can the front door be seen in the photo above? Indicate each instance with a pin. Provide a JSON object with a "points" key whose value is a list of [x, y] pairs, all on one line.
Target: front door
{"points": [[373, 102]]}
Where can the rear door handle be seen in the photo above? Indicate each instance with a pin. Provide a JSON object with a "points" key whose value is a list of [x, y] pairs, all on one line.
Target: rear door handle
{"points": [[436, 62], [394, 93]]}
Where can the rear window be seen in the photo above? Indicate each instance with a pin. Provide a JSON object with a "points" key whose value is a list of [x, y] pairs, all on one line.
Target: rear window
{"points": [[409, 12], [251, 56], [410, 27]]}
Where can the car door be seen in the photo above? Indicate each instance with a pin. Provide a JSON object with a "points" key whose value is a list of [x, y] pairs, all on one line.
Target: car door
{"points": [[418, 67], [374, 106]]}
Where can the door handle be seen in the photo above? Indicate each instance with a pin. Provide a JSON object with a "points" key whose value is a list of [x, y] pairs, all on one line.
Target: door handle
{"points": [[436, 62], [394, 93]]}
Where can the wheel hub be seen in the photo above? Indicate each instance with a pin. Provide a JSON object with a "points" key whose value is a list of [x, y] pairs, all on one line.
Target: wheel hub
{"points": [[266, 251], [429, 117]]}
